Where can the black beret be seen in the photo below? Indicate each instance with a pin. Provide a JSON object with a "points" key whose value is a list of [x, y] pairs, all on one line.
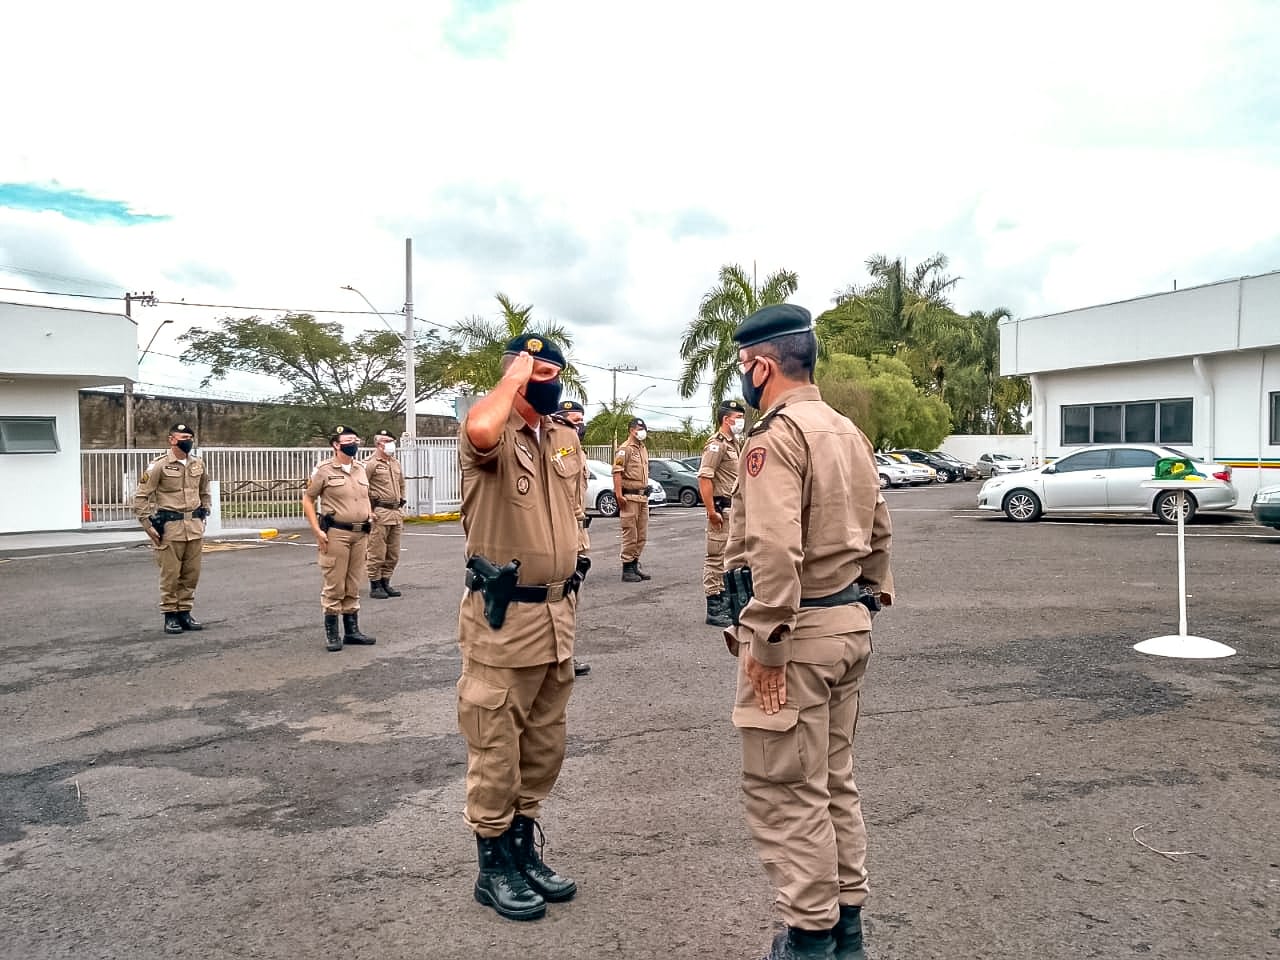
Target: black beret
{"points": [[537, 346], [385, 433], [568, 406], [339, 430], [729, 406], [181, 428], [637, 422], [771, 322]]}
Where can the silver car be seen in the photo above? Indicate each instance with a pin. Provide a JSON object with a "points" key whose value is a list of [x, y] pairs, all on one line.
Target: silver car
{"points": [[994, 464], [1104, 480]]}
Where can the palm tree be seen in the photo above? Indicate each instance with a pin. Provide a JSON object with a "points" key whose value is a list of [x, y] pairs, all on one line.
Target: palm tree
{"points": [[479, 361], [898, 308], [708, 340]]}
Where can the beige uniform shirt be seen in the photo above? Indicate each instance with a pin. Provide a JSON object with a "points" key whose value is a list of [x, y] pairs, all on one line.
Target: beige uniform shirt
{"points": [[720, 465], [808, 520], [171, 484], [632, 461], [386, 485], [520, 501], [341, 492]]}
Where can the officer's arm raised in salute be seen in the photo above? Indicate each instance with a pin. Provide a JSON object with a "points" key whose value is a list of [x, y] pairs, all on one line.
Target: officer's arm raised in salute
{"points": [[488, 418]]}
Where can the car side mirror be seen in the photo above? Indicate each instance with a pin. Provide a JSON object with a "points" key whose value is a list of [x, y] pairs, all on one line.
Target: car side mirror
{"points": [[1050, 469]]}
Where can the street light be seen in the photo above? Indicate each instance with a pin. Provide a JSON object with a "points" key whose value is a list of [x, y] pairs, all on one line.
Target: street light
{"points": [[406, 338]]}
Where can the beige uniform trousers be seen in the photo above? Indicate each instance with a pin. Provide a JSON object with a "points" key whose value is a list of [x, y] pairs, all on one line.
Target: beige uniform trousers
{"points": [[384, 550], [713, 565], [179, 562], [634, 517], [802, 805], [341, 566], [513, 719]]}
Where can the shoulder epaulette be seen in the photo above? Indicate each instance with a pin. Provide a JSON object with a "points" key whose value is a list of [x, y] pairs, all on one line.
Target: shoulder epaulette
{"points": [[763, 424]]}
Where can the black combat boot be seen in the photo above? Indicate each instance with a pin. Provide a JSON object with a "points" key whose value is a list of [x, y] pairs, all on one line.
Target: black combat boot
{"points": [[796, 944], [848, 934], [332, 642], [172, 624], [391, 591], [580, 669], [501, 886], [351, 631], [528, 861], [717, 611], [377, 591], [630, 574], [640, 571], [188, 622]]}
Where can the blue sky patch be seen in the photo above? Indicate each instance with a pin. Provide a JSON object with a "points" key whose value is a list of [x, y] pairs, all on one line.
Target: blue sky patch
{"points": [[478, 28], [72, 204]]}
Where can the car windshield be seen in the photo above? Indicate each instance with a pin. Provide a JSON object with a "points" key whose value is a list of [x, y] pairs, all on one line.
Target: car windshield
{"points": [[944, 456], [674, 465], [1002, 456]]}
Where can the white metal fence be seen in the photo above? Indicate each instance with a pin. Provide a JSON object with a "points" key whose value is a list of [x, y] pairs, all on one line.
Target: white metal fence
{"points": [[262, 486]]}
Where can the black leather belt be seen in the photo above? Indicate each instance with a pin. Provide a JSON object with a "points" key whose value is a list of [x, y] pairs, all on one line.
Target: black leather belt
{"points": [[353, 527], [388, 504], [633, 492], [853, 593], [528, 594]]}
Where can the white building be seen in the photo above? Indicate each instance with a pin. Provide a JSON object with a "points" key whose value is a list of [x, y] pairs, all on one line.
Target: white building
{"points": [[1197, 369], [48, 354]]}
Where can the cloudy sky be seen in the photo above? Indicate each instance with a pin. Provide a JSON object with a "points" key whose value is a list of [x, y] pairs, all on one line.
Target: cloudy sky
{"points": [[601, 160]]}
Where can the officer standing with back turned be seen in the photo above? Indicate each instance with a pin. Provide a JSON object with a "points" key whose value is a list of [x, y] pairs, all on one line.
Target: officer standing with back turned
{"points": [[807, 567], [521, 488], [172, 502]]}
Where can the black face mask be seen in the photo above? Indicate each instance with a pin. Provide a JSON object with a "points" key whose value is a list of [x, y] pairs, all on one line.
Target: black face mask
{"points": [[582, 430], [750, 392], [185, 445], [350, 449], [543, 395]]}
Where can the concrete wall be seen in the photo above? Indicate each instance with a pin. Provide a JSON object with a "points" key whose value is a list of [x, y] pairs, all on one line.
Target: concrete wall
{"points": [[54, 342], [969, 447], [41, 491]]}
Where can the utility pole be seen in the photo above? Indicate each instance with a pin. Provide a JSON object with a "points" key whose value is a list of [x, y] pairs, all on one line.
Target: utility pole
{"points": [[410, 355], [624, 368], [146, 300]]}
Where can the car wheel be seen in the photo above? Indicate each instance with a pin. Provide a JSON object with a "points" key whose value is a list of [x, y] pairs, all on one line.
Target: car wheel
{"points": [[607, 504], [1166, 507], [884, 481], [688, 497], [1022, 506], [944, 476]]}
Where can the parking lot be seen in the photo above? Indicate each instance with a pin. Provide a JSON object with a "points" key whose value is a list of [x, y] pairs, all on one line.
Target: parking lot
{"points": [[241, 793]]}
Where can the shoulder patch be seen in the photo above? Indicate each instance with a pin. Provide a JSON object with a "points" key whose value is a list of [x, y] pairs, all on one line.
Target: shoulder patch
{"points": [[713, 447], [755, 461], [620, 457]]}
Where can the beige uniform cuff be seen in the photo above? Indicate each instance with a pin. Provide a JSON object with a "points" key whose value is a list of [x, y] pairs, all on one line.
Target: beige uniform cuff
{"points": [[772, 654]]}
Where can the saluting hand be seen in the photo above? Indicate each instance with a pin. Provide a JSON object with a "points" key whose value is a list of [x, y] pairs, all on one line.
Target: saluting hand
{"points": [[769, 683], [521, 369]]}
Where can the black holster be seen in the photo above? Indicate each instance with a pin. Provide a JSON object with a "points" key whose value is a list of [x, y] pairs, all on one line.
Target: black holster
{"points": [[738, 590], [326, 521], [722, 504], [496, 584], [160, 518]]}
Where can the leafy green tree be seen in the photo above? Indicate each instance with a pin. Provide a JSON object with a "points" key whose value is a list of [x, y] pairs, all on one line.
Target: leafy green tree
{"points": [[708, 340], [478, 361], [885, 402], [327, 377]]}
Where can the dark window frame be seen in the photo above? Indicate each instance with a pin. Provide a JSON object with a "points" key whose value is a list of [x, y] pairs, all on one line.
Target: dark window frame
{"points": [[50, 422], [1275, 419], [1124, 407]]}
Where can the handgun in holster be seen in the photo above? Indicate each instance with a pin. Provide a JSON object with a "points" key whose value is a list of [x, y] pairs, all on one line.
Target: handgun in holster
{"points": [[160, 518], [580, 572], [496, 584], [325, 522], [738, 590]]}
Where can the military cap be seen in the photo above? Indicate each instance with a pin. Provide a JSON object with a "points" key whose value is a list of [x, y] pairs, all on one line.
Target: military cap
{"points": [[339, 430], [637, 422], [384, 433], [181, 428], [771, 322], [729, 406], [537, 346], [569, 406]]}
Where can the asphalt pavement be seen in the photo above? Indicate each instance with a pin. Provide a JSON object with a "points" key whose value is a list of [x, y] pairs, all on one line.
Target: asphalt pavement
{"points": [[1032, 786]]}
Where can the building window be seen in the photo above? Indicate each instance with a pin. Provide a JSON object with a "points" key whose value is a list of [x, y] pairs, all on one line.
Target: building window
{"points": [[1275, 419], [28, 435], [1152, 421]]}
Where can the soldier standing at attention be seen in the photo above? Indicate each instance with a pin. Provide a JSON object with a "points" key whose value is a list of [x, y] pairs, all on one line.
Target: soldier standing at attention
{"points": [[386, 496], [631, 490], [571, 413], [521, 487], [172, 502], [807, 567], [717, 479], [341, 525]]}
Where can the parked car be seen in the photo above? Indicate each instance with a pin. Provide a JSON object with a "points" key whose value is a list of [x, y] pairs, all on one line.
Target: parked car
{"points": [[679, 482], [893, 473], [948, 472], [969, 471], [600, 496], [1104, 480], [692, 463], [994, 464], [1266, 506], [908, 472]]}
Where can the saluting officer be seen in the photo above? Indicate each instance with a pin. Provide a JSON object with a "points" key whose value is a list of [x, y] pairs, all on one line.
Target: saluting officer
{"points": [[172, 503], [810, 525], [386, 496], [341, 525], [521, 488], [573, 414], [631, 490], [717, 479]]}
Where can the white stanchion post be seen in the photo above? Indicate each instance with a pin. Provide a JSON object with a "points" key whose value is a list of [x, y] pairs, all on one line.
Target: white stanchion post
{"points": [[213, 523]]}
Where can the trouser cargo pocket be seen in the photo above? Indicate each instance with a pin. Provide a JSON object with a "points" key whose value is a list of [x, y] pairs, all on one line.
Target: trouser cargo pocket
{"points": [[771, 746]]}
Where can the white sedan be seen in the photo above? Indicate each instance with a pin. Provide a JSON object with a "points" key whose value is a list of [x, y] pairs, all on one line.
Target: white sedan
{"points": [[600, 496], [1104, 480], [895, 474], [994, 464]]}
